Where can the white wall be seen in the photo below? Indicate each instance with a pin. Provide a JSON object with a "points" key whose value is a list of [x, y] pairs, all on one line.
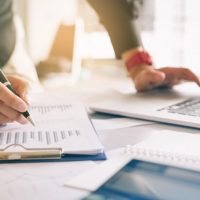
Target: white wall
{"points": [[41, 19]]}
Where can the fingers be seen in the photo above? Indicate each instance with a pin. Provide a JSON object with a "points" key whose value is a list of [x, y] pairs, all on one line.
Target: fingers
{"points": [[149, 79], [11, 100], [4, 119], [11, 105], [164, 77], [21, 86], [11, 115], [177, 75], [188, 75]]}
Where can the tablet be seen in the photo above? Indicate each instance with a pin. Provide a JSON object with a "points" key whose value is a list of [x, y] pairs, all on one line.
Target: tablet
{"points": [[143, 180]]}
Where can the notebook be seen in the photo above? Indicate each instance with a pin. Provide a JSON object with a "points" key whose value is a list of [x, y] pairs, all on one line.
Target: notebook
{"points": [[166, 147], [169, 147], [63, 132]]}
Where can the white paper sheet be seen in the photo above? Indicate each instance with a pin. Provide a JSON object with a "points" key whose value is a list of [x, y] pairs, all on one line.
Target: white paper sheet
{"points": [[39, 180]]}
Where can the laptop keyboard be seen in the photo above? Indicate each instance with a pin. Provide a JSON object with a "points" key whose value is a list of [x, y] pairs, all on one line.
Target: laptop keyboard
{"points": [[190, 107]]}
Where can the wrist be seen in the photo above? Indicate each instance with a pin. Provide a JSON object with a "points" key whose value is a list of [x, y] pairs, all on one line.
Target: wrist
{"points": [[134, 72], [129, 53], [137, 60]]}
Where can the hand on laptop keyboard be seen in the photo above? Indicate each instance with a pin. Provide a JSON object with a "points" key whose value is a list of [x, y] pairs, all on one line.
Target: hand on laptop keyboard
{"points": [[149, 78]]}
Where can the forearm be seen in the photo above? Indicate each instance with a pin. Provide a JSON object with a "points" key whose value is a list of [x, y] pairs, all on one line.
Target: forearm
{"points": [[7, 31], [119, 18]]}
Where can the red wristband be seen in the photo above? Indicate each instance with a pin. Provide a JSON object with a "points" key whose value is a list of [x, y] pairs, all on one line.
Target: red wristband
{"points": [[141, 57]]}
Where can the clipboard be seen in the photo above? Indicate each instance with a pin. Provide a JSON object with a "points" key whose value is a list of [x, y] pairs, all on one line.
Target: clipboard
{"points": [[64, 132], [30, 155]]}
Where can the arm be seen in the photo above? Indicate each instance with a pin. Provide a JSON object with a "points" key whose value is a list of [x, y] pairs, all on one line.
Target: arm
{"points": [[10, 104], [119, 18], [7, 31]]}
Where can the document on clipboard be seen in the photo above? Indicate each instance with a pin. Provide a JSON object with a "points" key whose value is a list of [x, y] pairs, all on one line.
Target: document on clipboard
{"points": [[63, 132]]}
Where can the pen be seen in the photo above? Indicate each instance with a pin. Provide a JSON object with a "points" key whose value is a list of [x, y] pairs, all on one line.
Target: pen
{"points": [[6, 82]]}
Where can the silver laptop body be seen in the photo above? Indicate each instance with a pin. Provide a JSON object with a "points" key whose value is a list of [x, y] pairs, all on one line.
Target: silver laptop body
{"points": [[168, 106]]}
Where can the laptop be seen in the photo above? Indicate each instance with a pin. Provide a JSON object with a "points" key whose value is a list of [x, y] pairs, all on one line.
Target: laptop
{"points": [[179, 107]]}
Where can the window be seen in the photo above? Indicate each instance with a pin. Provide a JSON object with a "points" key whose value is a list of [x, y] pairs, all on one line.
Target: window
{"points": [[174, 37]]}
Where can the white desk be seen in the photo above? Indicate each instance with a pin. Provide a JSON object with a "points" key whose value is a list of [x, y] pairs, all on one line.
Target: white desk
{"points": [[39, 181], [46, 180]]}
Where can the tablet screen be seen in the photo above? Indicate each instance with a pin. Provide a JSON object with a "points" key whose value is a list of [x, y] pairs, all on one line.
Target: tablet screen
{"points": [[145, 180]]}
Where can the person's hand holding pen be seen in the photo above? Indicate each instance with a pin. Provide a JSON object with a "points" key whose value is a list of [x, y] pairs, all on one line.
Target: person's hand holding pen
{"points": [[11, 106]]}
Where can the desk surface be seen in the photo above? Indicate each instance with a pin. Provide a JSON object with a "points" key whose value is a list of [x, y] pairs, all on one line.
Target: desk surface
{"points": [[46, 180], [42, 181]]}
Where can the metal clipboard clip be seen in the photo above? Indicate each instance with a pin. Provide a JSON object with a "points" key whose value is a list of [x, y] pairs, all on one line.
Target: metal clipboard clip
{"points": [[30, 153]]}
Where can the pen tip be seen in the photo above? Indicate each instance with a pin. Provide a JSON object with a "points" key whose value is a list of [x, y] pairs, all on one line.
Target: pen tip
{"points": [[30, 120]]}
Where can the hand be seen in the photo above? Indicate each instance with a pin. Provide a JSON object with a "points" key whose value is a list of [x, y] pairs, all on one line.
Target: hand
{"points": [[10, 104], [149, 78]]}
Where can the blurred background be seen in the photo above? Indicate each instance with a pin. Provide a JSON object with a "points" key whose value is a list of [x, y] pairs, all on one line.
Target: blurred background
{"points": [[70, 28]]}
